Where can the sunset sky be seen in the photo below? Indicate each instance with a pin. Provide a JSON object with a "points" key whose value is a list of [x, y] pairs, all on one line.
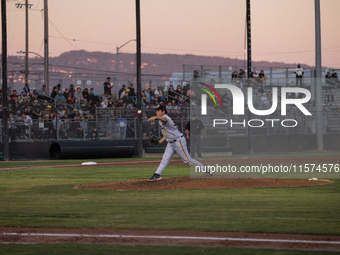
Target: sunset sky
{"points": [[282, 30]]}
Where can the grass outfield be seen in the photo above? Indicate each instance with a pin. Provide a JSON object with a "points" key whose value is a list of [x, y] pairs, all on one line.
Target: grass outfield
{"points": [[89, 249], [44, 197], [78, 161]]}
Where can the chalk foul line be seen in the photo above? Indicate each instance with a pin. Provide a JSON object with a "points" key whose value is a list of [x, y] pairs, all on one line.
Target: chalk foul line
{"points": [[176, 237]]}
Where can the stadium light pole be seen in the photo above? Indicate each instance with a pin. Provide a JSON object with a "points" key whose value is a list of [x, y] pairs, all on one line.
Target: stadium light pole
{"points": [[139, 80], [318, 84], [117, 64]]}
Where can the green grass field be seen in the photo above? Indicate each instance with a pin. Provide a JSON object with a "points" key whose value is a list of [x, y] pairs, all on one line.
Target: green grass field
{"points": [[45, 197], [95, 249]]}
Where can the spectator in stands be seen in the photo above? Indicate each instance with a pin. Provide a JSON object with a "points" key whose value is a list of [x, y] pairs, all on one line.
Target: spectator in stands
{"points": [[234, 76], [132, 93], [152, 95], [195, 74], [71, 90], [76, 104], [26, 89], [19, 122], [78, 94], [12, 129], [120, 92], [92, 126], [110, 103], [66, 93], [171, 93], [106, 96], [14, 95], [147, 95], [42, 92], [330, 100], [59, 98], [28, 111], [181, 102], [143, 98], [69, 100], [107, 86], [105, 103], [86, 94], [27, 124], [35, 100], [299, 74], [335, 80], [191, 94], [159, 92], [264, 100], [120, 103], [59, 122], [30, 96], [127, 100], [36, 113], [76, 126], [328, 78], [54, 92], [25, 103], [178, 90], [83, 103], [262, 77], [241, 76], [93, 98], [38, 128], [83, 125]]}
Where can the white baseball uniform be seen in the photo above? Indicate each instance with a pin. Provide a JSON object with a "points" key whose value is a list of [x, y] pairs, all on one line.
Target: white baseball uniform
{"points": [[176, 144]]}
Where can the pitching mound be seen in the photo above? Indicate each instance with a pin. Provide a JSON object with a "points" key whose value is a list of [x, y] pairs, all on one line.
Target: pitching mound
{"points": [[202, 183]]}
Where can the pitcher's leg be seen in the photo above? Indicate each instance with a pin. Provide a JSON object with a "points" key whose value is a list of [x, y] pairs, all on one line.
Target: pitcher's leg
{"points": [[182, 151], [168, 153]]}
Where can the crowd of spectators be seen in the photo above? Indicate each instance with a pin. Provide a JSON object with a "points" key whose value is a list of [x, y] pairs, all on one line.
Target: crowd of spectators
{"points": [[332, 79], [72, 110]]}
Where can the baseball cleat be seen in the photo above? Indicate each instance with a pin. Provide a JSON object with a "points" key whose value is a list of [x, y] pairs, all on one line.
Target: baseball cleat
{"points": [[155, 177], [201, 158]]}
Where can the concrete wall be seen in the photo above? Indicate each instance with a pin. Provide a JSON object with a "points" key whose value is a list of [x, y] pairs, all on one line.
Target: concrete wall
{"points": [[261, 144]]}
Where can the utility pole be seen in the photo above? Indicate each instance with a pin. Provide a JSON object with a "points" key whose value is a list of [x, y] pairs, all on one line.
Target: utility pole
{"points": [[46, 66], [27, 6], [318, 84]]}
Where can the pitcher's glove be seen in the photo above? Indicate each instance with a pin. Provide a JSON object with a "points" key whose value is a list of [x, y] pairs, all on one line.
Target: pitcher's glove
{"points": [[153, 139]]}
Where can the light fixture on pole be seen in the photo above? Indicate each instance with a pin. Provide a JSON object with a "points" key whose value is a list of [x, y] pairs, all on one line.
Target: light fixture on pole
{"points": [[117, 64], [22, 52]]}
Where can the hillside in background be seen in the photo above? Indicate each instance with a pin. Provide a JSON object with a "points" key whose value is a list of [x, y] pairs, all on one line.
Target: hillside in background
{"points": [[74, 66], [160, 64]]}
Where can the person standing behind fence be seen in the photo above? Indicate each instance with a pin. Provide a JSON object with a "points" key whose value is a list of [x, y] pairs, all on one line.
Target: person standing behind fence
{"points": [[194, 131], [299, 73], [107, 86]]}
